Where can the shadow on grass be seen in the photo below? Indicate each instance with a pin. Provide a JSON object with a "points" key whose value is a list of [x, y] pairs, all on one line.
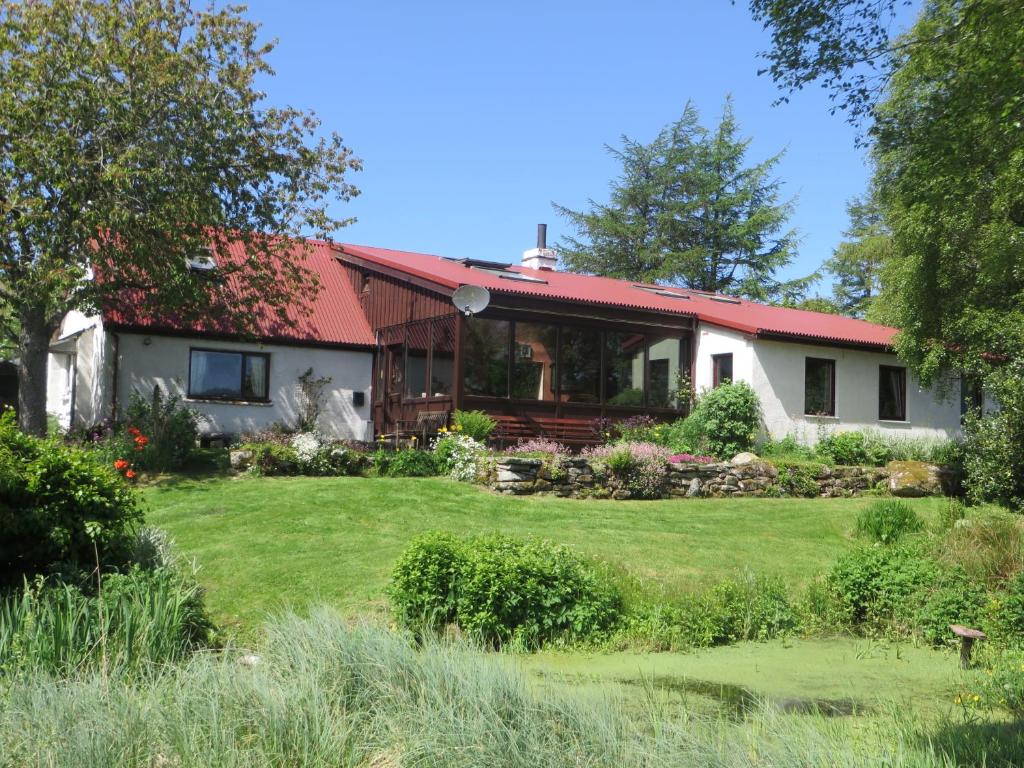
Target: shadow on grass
{"points": [[202, 464], [993, 745]]}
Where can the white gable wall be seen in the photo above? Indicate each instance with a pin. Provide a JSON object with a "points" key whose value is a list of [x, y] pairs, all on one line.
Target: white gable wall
{"points": [[775, 369], [164, 361]]}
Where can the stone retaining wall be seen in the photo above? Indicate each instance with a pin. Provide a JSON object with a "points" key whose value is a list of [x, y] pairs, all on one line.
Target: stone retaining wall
{"points": [[578, 478]]}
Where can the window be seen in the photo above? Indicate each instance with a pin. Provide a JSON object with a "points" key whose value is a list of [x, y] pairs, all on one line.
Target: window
{"points": [[972, 399], [442, 359], [819, 387], [721, 369], [486, 357], [417, 345], [624, 369], [892, 393], [580, 365], [666, 365], [222, 375], [533, 364]]}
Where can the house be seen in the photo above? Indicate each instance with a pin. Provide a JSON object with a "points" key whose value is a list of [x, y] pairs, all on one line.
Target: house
{"points": [[556, 348], [551, 352], [238, 383]]}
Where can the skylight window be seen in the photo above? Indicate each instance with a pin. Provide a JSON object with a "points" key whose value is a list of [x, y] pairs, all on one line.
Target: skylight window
{"points": [[658, 291], [202, 261], [725, 299], [507, 274]]}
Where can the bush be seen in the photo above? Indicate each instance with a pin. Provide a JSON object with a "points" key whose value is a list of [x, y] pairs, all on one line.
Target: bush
{"points": [[852, 448], [798, 480], [171, 429], [874, 586], [955, 598], [61, 508], [502, 590], [988, 546], [888, 520], [137, 619], [727, 419], [457, 455], [539, 446], [993, 458], [409, 462], [475, 424], [639, 468], [271, 459]]}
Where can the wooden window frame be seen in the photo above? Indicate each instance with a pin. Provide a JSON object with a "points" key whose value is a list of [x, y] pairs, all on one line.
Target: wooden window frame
{"points": [[715, 368], [242, 397], [832, 385]]}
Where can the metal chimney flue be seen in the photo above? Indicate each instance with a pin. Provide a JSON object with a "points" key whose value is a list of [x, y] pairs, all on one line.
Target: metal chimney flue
{"points": [[541, 257]]}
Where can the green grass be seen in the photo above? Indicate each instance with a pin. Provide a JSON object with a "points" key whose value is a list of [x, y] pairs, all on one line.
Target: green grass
{"points": [[268, 543]]}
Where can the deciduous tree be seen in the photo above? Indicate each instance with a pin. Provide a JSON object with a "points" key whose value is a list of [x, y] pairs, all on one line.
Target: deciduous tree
{"points": [[132, 132]]}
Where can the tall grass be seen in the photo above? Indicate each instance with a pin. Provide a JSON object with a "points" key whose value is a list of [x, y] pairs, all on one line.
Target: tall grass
{"points": [[325, 694], [136, 620]]}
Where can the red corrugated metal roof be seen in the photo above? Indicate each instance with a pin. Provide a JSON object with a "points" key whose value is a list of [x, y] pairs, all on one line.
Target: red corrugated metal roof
{"points": [[737, 314], [333, 317]]}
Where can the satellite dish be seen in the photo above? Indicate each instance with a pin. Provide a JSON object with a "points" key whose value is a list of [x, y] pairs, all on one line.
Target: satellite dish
{"points": [[471, 299]]}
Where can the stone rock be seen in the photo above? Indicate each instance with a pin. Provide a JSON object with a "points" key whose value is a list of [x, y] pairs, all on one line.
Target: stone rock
{"points": [[240, 459], [510, 476], [695, 488], [744, 458], [914, 478]]}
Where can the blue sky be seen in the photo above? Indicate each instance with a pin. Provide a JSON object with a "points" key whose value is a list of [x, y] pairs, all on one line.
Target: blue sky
{"points": [[471, 118]]}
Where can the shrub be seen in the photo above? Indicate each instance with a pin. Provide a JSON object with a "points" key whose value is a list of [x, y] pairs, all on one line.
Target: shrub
{"points": [[270, 459], [888, 520], [457, 455], [640, 468], [681, 435], [61, 508], [502, 590], [689, 458], [798, 480], [1004, 613], [988, 546], [639, 428], [475, 424], [409, 462], [954, 598], [727, 418], [993, 458], [539, 445], [874, 585], [1003, 687], [851, 448], [137, 619], [171, 429], [786, 448]]}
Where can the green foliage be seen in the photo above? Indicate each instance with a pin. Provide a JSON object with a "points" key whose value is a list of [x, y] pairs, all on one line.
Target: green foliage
{"points": [[689, 210], [60, 508], [744, 608], [874, 585], [728, 418], [993, 456], [851, 448], [409, 462], [1004, 613], [170, 428], [310, 393], [270, 459], [502, 590], [955, 598], [137, 619], [1002, 687], [475, 424], [215, 157], [988, 545], [798, 480], [888, 520], [857, 262]]}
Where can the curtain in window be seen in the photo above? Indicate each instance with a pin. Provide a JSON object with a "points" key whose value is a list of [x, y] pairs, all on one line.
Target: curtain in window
{"points": [[256, 377], [892, 394], [197, 373]]}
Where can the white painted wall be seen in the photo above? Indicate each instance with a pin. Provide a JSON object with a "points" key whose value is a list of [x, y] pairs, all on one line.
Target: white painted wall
{"points": [[715, 340], [775, 370], [779, 381], [165, 362], [90, 364]]}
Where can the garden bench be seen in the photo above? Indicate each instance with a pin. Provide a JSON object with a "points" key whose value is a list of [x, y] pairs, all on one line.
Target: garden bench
{"points": [[567, 431], [967, 637], [512, 429], [423, 428]]}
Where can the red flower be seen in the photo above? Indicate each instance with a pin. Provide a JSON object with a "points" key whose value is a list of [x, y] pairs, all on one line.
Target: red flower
{"points": [[134, 431], [130, 474], [121, 464], [141, 442]]}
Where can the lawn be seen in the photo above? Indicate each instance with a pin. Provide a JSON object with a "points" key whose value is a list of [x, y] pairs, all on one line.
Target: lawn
{"points": [[267, 543]]}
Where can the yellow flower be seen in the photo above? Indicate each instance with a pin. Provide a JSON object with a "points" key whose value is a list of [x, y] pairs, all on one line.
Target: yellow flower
{"points": [[956, 700], [413, 438], [458, 427], [976, 697], [443, 429]]}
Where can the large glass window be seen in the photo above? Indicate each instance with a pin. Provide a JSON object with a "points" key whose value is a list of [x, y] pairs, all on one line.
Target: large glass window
{"points": [[417, 344], [819, 386], [486, 357], [533, 367], [580, 365], [442, 361], [221, 375], [624, 369], [892, 393], [664, 354]]}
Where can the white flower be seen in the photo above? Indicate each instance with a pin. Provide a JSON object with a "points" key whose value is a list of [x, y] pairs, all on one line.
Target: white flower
{"points": [[307, 445]]}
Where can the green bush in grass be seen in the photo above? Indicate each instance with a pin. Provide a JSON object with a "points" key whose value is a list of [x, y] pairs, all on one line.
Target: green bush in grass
{"points": [[727, 419], [61, 508], [503, 591], [409, 462], [887, 521]]}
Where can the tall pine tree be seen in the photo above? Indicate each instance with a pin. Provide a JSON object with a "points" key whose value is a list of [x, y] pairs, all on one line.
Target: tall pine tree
{"points": [[857, 262], [688, 210]]}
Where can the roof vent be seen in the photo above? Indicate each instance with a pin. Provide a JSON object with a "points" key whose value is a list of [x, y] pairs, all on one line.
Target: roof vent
{"points": [[725, 299], [541, 257], [202, 261]]}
